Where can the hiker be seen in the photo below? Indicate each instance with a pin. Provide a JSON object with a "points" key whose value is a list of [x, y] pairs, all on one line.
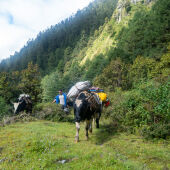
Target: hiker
{"points": [[61, 99]]}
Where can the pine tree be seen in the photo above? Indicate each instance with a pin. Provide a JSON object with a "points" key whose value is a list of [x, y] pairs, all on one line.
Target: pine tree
{"points": [[5, 89], [30, 82]]}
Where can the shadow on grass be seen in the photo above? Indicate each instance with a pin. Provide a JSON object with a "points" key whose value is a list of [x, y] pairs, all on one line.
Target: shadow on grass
{"points": [[105, 133]]}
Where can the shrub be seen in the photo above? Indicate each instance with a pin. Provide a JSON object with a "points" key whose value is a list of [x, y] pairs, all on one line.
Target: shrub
{"points": [[141, 69], [157, 130], [145, 109], [95, 67], [113, 76], [50, 111], [4, 108], [21, 117]]}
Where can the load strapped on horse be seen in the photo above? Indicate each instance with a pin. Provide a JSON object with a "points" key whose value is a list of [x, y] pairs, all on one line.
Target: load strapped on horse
{"points": [[77, 88], [98, 93], [101, 94]]}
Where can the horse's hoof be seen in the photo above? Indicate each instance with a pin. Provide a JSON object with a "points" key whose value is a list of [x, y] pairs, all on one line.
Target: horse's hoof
{"points": [[76, 139], [87, 138], [90, 131]]}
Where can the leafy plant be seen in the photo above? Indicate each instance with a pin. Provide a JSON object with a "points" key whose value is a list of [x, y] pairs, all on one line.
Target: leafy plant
{"points": [[49, 111], [4, 108], [145, 109]]}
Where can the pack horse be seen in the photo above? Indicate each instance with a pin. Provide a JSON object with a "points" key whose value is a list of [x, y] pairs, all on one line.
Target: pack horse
{"points": [[87, 102], [87, 107], [24, 103]]}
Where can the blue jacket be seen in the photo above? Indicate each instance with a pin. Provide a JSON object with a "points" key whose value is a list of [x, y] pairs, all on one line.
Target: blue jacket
{"points": [[58, 100]]}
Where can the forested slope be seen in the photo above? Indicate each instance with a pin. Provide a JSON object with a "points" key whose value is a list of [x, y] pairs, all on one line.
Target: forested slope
{"points": [[59, 40]]}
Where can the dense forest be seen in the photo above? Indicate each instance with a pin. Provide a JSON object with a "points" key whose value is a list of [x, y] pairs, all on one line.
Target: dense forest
{"points": [[121, 46]]}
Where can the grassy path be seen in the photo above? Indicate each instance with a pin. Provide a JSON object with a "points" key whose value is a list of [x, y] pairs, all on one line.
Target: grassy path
{"points": [[49, 145]]}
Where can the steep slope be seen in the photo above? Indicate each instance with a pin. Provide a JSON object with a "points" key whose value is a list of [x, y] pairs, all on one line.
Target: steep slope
{"points": [[135, 29], [52, 44]]}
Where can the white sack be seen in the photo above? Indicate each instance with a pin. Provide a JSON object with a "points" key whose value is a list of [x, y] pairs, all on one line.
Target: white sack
{"points": [[77, 88], [23, 95]]}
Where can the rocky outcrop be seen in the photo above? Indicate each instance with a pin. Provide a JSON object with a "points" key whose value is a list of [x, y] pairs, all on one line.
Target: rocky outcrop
{"points": [[135, 1], [119, 11], [124, 6], [144, 1]]}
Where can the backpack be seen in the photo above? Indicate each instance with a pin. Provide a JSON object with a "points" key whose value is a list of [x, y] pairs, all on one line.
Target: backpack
{"points": [[102, 96]]}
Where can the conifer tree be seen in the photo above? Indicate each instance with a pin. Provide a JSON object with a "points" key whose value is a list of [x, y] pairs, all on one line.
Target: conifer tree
{"points": [[5, 90], [30, 82]]}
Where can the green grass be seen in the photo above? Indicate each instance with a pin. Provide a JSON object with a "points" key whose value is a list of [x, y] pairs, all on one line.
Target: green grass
{"points": [[44, 144]]}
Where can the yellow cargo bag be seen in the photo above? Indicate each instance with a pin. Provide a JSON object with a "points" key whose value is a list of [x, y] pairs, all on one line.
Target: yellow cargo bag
{"points": [[102, 96]]}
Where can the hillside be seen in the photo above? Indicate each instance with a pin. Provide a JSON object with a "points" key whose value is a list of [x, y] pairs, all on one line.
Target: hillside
{"points": [[135, 29], [51, 45], [103, 28]]}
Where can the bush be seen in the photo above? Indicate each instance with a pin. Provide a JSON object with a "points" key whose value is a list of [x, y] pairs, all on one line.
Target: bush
{"points": [[144, 109], [4, 108], [21, 117], [95, 67], [50, 111], [113, 76], [157, 130]]}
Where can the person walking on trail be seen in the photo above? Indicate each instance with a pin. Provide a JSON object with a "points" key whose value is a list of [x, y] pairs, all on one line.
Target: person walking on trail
{"points": [[62, 99]]}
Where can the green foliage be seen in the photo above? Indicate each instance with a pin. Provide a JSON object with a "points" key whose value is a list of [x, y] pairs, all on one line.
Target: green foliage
{"points": [[52, 62], [142, 109], [162, 69], [30, 82], [147, 33], [5, 89], [49, 86], [94, 67], [158, 130], [52, 83], [42, 145], [50, 111], [14, 83], [64, 35], [4, 108], [9, 89], [141, 69], [74, 74], [114, 75], [128, 6]]}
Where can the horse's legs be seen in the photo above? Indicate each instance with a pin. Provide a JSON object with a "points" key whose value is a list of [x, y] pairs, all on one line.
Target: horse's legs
{"points": [[87, 128], [98, 115], [90, 125], [97, 119], [77, 131], [97, 122], [94, 119]]}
